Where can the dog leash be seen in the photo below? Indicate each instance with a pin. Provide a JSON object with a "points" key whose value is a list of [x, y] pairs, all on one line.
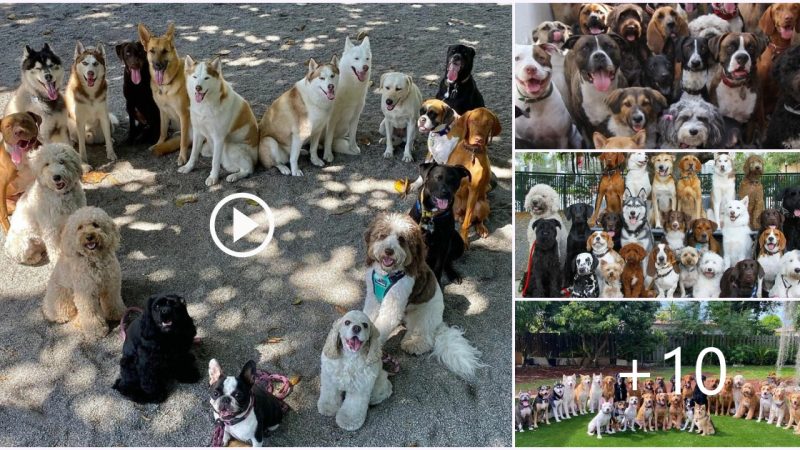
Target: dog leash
{"points": [[528, 272]]}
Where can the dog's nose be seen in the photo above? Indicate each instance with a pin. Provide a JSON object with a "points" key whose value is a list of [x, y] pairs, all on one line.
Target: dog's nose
{"points": [[530, 70], [742, 58], [694, 64], [90, 237], [694, 131], [599, 56], [198, 88], [90, 74], [389, 101], [356, 329], [365, 68], [389, 252], [56, 178], [638, 118], [797, 270], [48, 77], [671, 25], [330, 87]]}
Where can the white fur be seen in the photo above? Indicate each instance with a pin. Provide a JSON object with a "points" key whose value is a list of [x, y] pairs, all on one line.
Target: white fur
{"points": [[667, 283], [676, 239], [602, 421], [787, 283], [594, 102], [569, 382], [770, 262], [637, 177], [723, 186], [595, 393], [406, 101], [777, 412], [630, 414], [764, 403], [708, 26], [708, 286], [738, 382], [340, 135], [550, 202], [737, 243]]}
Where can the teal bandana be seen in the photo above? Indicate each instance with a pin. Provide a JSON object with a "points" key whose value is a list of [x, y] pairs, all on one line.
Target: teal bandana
{"points": [[382, 283]]}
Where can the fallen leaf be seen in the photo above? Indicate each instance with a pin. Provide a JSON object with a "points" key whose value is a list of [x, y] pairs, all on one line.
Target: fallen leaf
{"points": [[184, 199], [294, 379], [273, 340], [251, 202], [3, 378], [94, 177], [340, 309], [342, 209], [289, 42], [361, 35], [11, 17], [297, 301], [364, 140]]}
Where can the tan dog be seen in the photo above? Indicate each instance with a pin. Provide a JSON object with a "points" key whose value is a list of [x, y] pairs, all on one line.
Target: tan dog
{"points": [[471, 205], [712, 383], [794, 412], [703, 420], [20, 133], [582, 393], [748, 404], [592, 18], [664, 197], [645, 418], [664, 29], [779, 23], [676, 412], [637, 141], [612, 185], [751, 187], [690, 197], [168, 81], [661, 411], [701, 235], [608, 387], [725, 403]]}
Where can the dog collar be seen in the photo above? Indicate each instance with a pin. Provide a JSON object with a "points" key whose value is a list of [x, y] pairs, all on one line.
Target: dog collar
{"points": [[452, 88], [693, 91], [604, 254], [795, 111], [382, 283], [688, 268], [722, 14], [777, 50], [611, 172], [443, 131], [733, 83], [428, 217], [662, 275], [529, 100]]}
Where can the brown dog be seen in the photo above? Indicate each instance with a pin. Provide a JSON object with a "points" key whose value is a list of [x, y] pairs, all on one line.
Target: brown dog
{"points": [[663, 31], [612, 185], [770, 217], [636, 142], [725, 403], [748, 404], [661, 411], [20, 133], [701, 235], [471, 205], [779, 22], [633, 274], [676, 411], [751, 187], [168, 82], [592, 18], [690, 197]]}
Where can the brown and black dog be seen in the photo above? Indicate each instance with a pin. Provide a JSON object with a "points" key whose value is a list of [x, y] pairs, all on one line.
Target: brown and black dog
{"points": [[143, 114], [751, 187], [779, 23], [663, 31], [633, 110], [168, 83], [627, 20], [592, 18], [701, 235], [690, 199], [20, 132], [612, 185], [471, 205]]}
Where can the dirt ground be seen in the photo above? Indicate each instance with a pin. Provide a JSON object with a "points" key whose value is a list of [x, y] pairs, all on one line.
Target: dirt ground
{"points": [[56, 390]]}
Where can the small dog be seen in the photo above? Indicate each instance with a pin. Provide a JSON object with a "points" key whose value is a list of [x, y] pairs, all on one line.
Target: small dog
{"points": [[787, 283], [778, 408], [701, 236], [86, 282], [157, 350], [689, 258], [675, 229], [770, 217], [688, 410], [737, 243], [633, 274], [635, 109], [143, 115], [247, 411], [351, 365], [523, 413], [612, 224], [711, 266], [436, 120], [703, 420], [752, 188], [458, 88], [299, 115], [355, 70], [602, 247], [790, 202], [20, 135], [584, 282], [691, 122], [612, 274], [690, 198], [723, 186], [619, 415], [659, 74], [663, 187], [401, 101], [602, 421], [612, 185], [771, 245], [630, 413], [664, 270], [635, 226], [578, 214], [745, 279], [696, 60], [545, 270], [764, 402]]}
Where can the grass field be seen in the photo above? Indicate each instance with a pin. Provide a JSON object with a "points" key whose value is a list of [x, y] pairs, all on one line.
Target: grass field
{"points": [[730, 433]]}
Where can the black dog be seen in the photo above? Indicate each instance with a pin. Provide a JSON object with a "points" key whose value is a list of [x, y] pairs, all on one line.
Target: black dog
{"points": [[579, 215], [695, 58], [790, 202], [784, 124], [458, 88], [433, 211], [156, 351], [620, 389], [659, 74], [698, 397], [144, 123], [584, 282], [612, 224], [545, 270]]}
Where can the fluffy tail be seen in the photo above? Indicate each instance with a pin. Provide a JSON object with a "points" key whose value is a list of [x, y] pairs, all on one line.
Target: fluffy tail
{"points": [[454, 351], [171, 145]]}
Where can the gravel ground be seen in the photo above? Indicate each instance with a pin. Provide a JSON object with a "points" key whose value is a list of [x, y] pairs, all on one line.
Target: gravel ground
{"points": [[56, 390]]}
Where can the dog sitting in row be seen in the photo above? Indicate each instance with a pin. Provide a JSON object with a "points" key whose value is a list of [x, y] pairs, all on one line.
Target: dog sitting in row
{"points": [[737, 242], [612, 185], [612, 279], [635, 225], [790, 203], [771, 245], [401, 100], [611, 223], [701, 236], [437, 120], [20, 135], [545, 272], [723, 186], [627, 21], [543, 202], [711, 267], [745, 279], [663, 268], [602, 247], [458, 88], [691, 122], [751, 187], [143, 115], [578, 215], [554, 33], [584, 282], [633, 282], [690, 198], [787, 283], [659, 74], [779, 23], [689, 274], [696, 61], [675, 227], [663, 187], [635, 109], [782, 131]]}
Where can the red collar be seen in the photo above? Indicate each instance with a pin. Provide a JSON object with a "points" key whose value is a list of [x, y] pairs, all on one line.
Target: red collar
{"points": [[734, 83], [778, 49], [722, 14]]}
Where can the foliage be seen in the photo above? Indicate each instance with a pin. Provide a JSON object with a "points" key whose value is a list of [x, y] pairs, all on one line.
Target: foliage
{"points": [[771, 322]]}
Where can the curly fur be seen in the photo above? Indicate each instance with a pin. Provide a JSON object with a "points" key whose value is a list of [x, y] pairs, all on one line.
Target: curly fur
{"points": [[42, 210], [709, 26], [85, 283], [356, 374], [691, 112], [543, 202], [154, 355]]}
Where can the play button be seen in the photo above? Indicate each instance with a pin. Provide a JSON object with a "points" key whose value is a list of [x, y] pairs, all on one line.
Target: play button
{"points": [[243, 224]]}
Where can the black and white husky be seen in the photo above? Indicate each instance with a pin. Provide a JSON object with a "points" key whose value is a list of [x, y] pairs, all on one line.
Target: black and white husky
{"points": [[635, 226]]}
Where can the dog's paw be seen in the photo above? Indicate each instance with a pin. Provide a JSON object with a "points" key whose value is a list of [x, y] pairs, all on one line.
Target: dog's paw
{"points": [[328, 157], [407, 157], [388, 154], [110, 155], [483, 231], [415, 345], [355, 149], [212, 180], [297, 173], [317, 162], [186, 168], [93, 328], [182, 160], [284, 169], [328, 409], [349, 422]]}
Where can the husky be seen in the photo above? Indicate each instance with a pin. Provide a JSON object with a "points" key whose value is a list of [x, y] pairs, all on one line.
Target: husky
{"points": [[635, 227], [557, 401], [298, 116], [401, 101], [40, 93], [356, 70], [87, 100], [221, 117]]}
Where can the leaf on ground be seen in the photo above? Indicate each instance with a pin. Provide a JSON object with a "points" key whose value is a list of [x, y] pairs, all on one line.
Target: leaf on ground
{"points": [[340, 309], [289, 42], [297, 301], [251, 202], [273, 340], [294, 379], [3, 378], [361, 35], [94, 177], [184, 199], [342, 210], [11, 17], [364, 140], [300, 28]]}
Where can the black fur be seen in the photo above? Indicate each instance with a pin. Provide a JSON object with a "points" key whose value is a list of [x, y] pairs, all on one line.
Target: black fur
{"points": [[40, 56], [545, 269], [144, 122], [687, 45], [698, 397], [659, 74], [611, 222], [620, 389], [784, 125], [585, 286], [153, 355], [579, 215], [463, 94], [790, 201]]}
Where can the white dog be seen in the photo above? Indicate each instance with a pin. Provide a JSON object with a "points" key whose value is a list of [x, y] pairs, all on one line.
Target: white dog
{"points": [[85, 283], [737, 243], [595, 392], [355, 68], [787, 283], [221, 117], [723, 186], [543, 202], [400, 287], [351, 365], [570, 383], [711, 266], [602, 421], [42, 210], [400, 103], [630, 414], [637, 177]]}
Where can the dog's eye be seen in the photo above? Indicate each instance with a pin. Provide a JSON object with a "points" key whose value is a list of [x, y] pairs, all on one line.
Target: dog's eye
{"points": [[85, 63], [205, 78], [152, 50], [401, 240], [94, 224], [397, 89], [80, 227], [382, 236], [365, 325], [661, 15], [357, 59], [215, 394], [386, 87], [347, 323]]}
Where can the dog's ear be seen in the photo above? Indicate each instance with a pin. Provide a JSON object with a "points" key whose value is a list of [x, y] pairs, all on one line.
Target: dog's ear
{"points": [[745, 201], [642, 195], [424, 168], [714, 45], [619, 40], [614, 100], [118, 49], [333, 345], [651, 264], [216, 64], [36, 118], [570, 213], [655, 37], [101, 48], [714, 226], [312, 65], [596, 262], [144, 34], [149, 328], [601, 218], [448, 113], [627, 194], [374, 351], [589, 243], [215, 372], [248, 373], [640, 138], [26, 51], [188, 64], [409, 81], [463, 172], [679, 48], [335, 60], [612, 18], [459, 127], [536, 224], [347, 43], [496, 128], [170, 34], [569, 43], [672, 261], [383, 77], [368, 238], [683, 26], [79, 48], [555, 223], [659, 99], [574, 265], [766, 24], [599, 140]]}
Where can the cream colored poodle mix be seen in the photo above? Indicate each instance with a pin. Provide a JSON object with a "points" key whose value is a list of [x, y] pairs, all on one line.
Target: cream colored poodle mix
{"points": [[85, 283], [351, 365], [56, 193]]}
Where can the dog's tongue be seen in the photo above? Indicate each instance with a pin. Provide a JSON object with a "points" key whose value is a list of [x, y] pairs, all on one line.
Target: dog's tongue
{"points": [[52, 92], [199, 96], [442, 203], [533, 86], [136, 76], [601, 80], [637, 127], [633, 220], [354, 343], [595, 30], [787, 33], [90, 81], [729, 8], [331, 94], [611, 233], [797, 212], [557, 36], [452, 72], [390, 107], [159, 77], [16, 154], [630, 37], [740, 73]]}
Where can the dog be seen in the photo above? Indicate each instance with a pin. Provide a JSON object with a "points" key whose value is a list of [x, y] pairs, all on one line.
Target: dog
{"points": [[742, 280], [545, 121], [86, 98], [689, 258], [584, 282], [770, 217], [735, 87], [703, 420], [665, 28], [635, 227], [696, 61], [637, 177], [41, 93], [664, 269], [541, 406], [221, 117], [433, 211], [592, 65], [545, 270], [787, 283], [779, 23], [635, 142], [748, 403], [618, 416], [752, 188], [557, 401], [723, 186], [596, 392], [351, 365], [554, 33], [543, 202], [645, 417], [400, 102], [611, 223], [471, 203], [663, 188], [725, 400], [782, 130], [738, 384], [771, 245], [612, 276], [675, 230], [730, 13], [632, 274], [627, 20], [35, 231], [436, 120], [690, 199], [602, 421], [659, 74], [691, 122], [247, 411], [701, 236], [20, 135], [582, 394], [708, 26], [569, 382], [676, 411], [400, 287], [601, 246], [661, 411], [778, 408], [736, 240], [764, 402], [157, 350], [711, 267], [299, 115], [86, 281], [355, 70], [523, 413], [612, 185], [458, 88], [630, 414], [608, 387], [578, 214], [635, 109], [592, 18], [790, 203], [794, 410], [143, 115]]}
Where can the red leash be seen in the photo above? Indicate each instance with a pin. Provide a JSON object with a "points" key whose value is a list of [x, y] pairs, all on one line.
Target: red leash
{"points": [[528, 272]]}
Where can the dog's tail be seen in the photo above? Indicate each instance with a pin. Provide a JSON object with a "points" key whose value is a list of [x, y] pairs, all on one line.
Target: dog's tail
{"points": [[454, 351], [171, 145]]}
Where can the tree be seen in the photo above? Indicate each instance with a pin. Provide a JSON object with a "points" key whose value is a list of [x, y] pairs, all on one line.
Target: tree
{"points": [[685, 317], [739, 318], [771, 322]]}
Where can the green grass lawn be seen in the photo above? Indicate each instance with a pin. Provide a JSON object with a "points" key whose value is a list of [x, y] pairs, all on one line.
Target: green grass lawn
{"points": [[730, 433]]}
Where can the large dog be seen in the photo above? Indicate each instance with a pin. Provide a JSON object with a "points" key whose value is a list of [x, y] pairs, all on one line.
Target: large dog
{"points": [[400, 103], [543, 202], [458, 88], [20, 135], [612, 185], [355, 69], [635, 109], [635, 226], [790, 202], [752, 188], [554, 33], [143, 115], [723, 186], [690, 199], [783, 131], [779, 23], [663, 187]]}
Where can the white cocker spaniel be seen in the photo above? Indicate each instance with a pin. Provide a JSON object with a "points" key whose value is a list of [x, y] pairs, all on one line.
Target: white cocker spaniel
{"points": [[351, 365]]}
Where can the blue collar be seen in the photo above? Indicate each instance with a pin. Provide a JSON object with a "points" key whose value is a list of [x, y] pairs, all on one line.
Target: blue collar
{"points": [[382, 283], [443, 131]]}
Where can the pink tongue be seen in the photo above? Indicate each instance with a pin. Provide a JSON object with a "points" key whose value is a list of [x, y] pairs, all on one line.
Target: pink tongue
{"points": [[332, 95], [797, 212], [595, 30], [601, 80], [355, 344], [198, 96], [136, 76], [533, 86], [611, 233], [689, 7], [389, 107], [452, 72], [557, 36], [730, 8], [16, 155], [637, 128], [159, 77], [442, 203], [631, 37], [787, 33], [90, 81], [52, 92], [739, 73]]}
